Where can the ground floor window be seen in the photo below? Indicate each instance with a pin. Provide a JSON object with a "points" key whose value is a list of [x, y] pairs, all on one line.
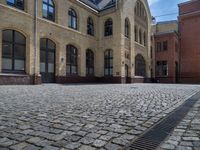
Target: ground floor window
{"points": [[140, 66], [13, 52], [72, 62], [108, 63], [89, 63], [161, 68]]}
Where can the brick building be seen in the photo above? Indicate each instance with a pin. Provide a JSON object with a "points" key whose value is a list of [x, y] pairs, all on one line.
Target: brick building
{"points": [[166, 51], [189, 28], [67, 41]]}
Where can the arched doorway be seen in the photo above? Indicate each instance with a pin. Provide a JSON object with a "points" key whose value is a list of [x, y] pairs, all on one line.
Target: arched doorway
{"points": [[140, 66], [47, 60]]}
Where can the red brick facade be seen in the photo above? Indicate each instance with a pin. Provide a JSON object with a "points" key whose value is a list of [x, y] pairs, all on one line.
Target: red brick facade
{"points": [[189, 27], [166, 50]]}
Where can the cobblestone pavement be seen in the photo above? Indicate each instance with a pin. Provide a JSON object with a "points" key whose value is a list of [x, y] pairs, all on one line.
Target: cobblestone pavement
{"points": [[186, 136], [86, 117]]}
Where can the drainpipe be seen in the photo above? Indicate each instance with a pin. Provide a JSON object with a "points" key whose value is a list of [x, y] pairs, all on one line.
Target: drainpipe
{"points": [[116, 4], [35, 41]]}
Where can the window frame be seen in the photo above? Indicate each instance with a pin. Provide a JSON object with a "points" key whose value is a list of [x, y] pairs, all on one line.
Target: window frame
{"points": [[127, 28], [161, 67], [108, 27], [89, 62], [72, 15], [107, 65], [48, 4], [13, 56], [16, 5], [73, 60], [90, 26]]}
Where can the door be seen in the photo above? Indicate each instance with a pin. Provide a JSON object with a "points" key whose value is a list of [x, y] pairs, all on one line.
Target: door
{"points": [[126, 73], [47, 60], [176, 72]]}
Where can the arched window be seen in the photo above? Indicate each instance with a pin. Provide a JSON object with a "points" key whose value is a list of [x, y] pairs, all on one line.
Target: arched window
{"points": [[90, 26], [108, 63], [136, 34], [140, 10], [140, 66], [13, 52], [89, 63], [108, 27], [145, 40], [16, 3], [127, 28], [72, 62], [72, 19], [140, 36], [48, 10]]}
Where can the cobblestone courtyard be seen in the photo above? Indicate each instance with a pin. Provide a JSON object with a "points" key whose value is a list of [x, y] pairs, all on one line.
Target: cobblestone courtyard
{"points": [[87, 117]]}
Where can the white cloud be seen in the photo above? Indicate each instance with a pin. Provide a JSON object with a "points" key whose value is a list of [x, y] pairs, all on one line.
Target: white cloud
{"points": [[152, 2]]}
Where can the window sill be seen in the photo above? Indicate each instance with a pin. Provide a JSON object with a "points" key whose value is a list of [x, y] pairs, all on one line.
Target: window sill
{"points": [[140, 44], [14, 75], [140, 77]]}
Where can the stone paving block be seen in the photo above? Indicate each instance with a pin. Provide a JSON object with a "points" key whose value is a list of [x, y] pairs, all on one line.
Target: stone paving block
{"points": [[50, 148], [19, 146], [73, 145], [105, 116], [99, 143], [110, 146]]}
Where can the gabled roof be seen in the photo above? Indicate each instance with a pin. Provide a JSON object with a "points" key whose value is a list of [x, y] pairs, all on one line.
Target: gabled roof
{"points": [[100, 5]]}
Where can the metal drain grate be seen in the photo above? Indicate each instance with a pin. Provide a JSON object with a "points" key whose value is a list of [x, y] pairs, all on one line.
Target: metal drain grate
{"points": [[156, 135]]}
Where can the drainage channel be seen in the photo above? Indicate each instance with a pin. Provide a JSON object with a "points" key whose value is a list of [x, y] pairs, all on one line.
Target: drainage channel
{"points": [[156, 135]]}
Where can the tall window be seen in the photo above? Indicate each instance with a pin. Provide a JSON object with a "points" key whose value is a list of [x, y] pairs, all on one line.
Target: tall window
{"points": [[108, 27], [89, 63], [140, 10], [161, 68], [72, 62], [13, 53], [136, 34], [144, 38], [140, 66], [72, 19], [127, 28], [16, 3], [140, 36], [48, 10], [108, 63], [90, 26]]}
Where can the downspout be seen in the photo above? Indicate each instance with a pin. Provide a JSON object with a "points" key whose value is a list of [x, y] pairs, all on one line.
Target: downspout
{"points": [[35, 42]]}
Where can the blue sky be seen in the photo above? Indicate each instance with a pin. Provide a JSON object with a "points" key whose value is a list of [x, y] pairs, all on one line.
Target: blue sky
{"points": [[163, 7]]}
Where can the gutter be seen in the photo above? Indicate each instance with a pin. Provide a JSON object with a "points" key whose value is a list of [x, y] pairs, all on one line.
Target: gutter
{"points": [[35, 40]]}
